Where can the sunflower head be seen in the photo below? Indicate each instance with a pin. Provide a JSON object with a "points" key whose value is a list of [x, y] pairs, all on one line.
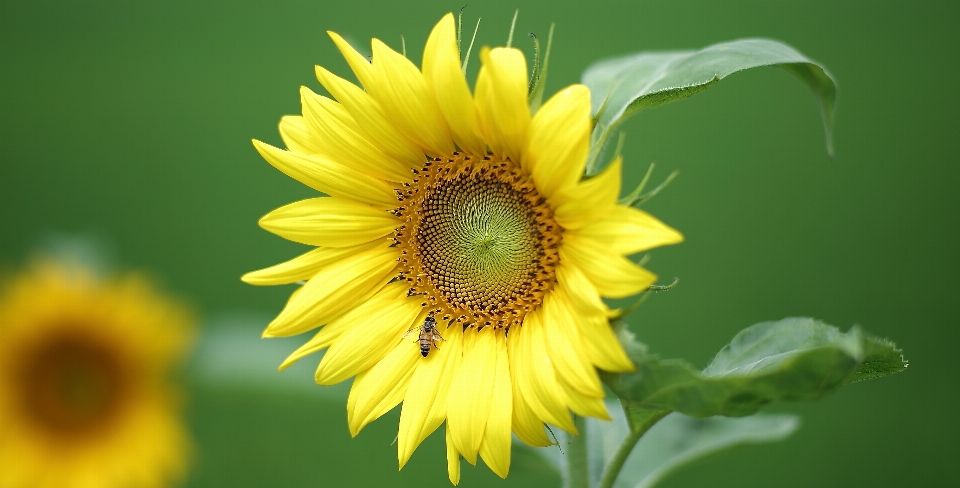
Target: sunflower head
{"points": [[477, 240], [85, 398], [465, 209]]}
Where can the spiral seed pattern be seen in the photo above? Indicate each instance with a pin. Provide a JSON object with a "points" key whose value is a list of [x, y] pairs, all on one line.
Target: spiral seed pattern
{"points": [[478, 242]]}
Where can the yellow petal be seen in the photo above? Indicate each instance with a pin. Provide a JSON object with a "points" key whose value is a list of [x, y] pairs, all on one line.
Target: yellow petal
{"points": [[329, 177], [379, 389], [358, 63], [326, 221], [526, 424], [495, 446], [627, 230], [564, 345], [468, 406], [333, 330], [370, 117], [341, 139], [320, 341], [296, 135], [453, 459], [304, 266], [425, 405], [585, 405], [335, 290], [556, 146], [602, 346], [588, 201], [407, 102], [578, 289], [444, 77], [613, 275], [367, 339], [501, 97], [531, 369]]}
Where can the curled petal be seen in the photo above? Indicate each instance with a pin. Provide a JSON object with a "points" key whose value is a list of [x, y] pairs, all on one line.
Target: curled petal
{"points": [[444, 77], [557, 143], [501, 97]]}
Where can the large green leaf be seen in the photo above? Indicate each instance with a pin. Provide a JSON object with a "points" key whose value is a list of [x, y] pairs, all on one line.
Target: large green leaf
{"points": [[789, 360], [675, 441], [625, 85], [679, 440]]}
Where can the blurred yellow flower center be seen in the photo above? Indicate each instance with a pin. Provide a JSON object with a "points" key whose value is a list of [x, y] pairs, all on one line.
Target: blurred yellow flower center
{"points": [[479, 242], [72, 384]]}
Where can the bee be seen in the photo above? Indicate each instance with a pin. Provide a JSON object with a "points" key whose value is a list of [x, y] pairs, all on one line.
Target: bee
{"points": [[428, 335]]}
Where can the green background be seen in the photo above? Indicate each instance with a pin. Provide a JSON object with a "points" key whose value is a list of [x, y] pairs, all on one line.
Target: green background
{"points": [[131, 122]]}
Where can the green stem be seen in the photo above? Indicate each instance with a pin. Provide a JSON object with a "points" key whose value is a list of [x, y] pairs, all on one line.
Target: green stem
{"points": [[577, 474], [612, 470]]}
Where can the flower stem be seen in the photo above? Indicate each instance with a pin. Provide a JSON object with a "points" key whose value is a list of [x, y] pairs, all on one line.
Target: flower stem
{"points": [[577, 474], [612, 470]]}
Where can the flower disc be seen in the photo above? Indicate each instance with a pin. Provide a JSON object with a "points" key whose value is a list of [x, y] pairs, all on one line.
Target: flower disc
{"points": [[478, 240], [73, 384]]}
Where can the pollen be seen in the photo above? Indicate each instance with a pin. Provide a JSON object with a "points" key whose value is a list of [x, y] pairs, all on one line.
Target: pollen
{"points": [[478, 241]]}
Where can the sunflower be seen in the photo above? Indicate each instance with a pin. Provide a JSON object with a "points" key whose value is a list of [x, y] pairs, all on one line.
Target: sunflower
{"points": [[465, 218], [84, 395]]}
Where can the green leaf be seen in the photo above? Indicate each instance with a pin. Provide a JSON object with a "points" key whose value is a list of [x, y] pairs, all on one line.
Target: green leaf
{"points": [[789, 360], [675, 441], [883, 358], [679, 440], [625, 85]]}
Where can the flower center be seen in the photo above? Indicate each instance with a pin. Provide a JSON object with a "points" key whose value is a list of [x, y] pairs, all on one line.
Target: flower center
{"points": [[478, 241], [72, 384]]}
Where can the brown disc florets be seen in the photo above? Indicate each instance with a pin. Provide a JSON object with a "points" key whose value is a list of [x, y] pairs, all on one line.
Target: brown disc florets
{"points": [[73, 384], [478, 241]]}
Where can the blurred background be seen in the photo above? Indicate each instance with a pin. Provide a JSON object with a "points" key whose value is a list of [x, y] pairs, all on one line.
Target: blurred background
{"points": [[130, 123]]}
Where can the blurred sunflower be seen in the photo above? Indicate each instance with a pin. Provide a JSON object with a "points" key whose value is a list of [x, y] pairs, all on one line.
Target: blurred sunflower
{"points": [[463, 211], [84, 396]]}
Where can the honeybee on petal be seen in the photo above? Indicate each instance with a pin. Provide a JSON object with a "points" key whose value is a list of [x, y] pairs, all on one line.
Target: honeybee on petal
{"points": [[428, 335]]}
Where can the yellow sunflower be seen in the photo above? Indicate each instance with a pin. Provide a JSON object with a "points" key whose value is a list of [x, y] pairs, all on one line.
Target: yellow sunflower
{"points": [[84, 395], [468, 213]]}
